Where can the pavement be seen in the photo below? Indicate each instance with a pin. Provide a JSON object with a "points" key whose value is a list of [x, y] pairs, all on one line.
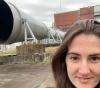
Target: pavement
{"points": [[26, 76]]}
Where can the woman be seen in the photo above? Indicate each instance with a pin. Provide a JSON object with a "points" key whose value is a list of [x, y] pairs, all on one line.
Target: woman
{"points": [[76, 64]]}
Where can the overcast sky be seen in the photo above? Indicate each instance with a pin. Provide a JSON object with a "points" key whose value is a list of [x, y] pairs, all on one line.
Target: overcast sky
{"points": [[43, 10]]}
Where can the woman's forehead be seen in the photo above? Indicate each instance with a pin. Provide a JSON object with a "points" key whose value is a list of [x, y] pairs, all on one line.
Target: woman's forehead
{"points": [[86, 44], [85, 37]]}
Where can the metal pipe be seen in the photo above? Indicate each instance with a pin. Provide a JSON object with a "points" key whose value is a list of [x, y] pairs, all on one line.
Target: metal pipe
{"points": [[12, 27]]}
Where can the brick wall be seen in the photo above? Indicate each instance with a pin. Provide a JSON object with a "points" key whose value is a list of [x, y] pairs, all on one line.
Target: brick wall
{"points": [[66, 19]]}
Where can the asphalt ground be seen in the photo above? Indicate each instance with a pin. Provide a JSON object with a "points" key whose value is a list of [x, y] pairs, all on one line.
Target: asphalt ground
{"points": [[38, 75]]}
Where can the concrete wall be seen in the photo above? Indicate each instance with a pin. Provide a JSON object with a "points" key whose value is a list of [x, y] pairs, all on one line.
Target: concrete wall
{"points": [[22, 59]]}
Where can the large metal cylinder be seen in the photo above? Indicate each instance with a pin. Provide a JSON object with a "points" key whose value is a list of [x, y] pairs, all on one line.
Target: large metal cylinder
{"points": [[56, 32], [12, 27]]}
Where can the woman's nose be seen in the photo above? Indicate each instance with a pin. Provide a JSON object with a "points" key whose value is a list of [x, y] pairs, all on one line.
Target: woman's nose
{"points": [[84, 68]]}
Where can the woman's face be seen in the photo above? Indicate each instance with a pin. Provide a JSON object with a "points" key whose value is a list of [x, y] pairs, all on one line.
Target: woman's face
{"points": [[83, 61]]}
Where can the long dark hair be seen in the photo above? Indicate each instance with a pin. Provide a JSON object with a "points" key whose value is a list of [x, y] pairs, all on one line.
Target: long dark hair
{"points": [[58, 62]]}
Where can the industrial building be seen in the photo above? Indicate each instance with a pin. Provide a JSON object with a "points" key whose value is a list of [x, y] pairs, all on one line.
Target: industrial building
{"points": [[66, 19]]}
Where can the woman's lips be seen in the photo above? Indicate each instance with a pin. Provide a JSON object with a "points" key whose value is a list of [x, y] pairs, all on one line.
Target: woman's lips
{"points": [[84, 80]]}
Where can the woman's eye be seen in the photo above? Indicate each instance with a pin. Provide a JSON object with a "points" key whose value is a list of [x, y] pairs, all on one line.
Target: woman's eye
{"points": [[94, 59], [74, 58]]}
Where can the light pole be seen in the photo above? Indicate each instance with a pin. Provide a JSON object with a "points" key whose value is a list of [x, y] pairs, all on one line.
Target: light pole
{"points": [[60, 4]]}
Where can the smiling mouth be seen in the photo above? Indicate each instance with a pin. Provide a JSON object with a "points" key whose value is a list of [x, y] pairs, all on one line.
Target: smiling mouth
{"points": [[84, 80]]}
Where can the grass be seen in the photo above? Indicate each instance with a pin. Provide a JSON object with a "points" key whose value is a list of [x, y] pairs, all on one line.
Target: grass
{"points": [[51, 49], [11, 51]]}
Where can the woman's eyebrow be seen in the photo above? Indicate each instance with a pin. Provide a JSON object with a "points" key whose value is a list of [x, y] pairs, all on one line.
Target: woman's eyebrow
{"points": [[73, 53], [95, 54]]}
